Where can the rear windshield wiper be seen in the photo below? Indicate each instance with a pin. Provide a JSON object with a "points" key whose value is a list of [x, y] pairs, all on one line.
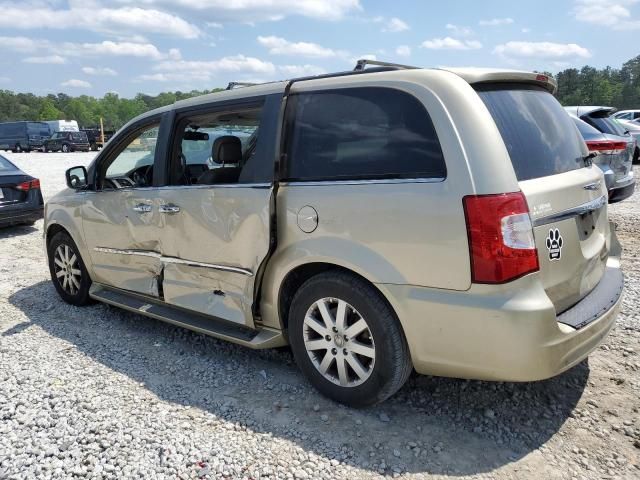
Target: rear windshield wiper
{"points": [[587, 159]]}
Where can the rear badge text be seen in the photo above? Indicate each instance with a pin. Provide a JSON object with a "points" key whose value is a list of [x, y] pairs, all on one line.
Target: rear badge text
{"points": [[554, 244]]}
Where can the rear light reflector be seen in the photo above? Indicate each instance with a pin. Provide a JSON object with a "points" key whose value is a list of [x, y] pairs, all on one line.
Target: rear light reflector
{"points": [[26, 186], [606, 146], [501, 242]]}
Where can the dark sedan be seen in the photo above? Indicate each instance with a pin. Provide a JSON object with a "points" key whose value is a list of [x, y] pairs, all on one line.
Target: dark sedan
{"points": [[20, 196]]}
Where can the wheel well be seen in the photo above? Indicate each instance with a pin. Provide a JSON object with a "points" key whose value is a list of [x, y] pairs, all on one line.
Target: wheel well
{"points": [[296, 277], [52, 230]]}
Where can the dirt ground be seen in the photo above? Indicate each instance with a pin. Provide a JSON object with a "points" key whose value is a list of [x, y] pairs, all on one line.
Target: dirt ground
{"points": [[97, 392]]}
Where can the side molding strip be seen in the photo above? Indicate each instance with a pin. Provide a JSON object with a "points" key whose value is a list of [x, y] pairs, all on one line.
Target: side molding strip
{"points": [[174, 260]]}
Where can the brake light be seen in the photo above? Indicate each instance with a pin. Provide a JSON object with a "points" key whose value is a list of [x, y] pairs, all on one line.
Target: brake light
{"points": [[501, 242], [606, 146], [26, 186]]}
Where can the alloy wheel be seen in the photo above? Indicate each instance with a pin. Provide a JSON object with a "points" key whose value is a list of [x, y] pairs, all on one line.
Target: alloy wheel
{"points": [[67, 269], [339, 342]]}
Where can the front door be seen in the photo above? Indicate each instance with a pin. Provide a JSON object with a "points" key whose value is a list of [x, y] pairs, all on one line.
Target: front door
{"points": [[216, 215], [121, 217]]}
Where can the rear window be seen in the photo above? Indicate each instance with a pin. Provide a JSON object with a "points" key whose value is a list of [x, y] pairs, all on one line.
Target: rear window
{"points": [[79, 137], [605, 124], [540, 137], [362, 133], [6, 165], [587, 131]]}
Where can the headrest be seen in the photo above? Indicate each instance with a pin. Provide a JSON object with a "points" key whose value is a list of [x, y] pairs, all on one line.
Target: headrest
{"points": [[227, 150]]}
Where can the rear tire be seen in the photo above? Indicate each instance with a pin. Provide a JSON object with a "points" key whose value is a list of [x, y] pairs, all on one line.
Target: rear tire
{"points": [[68, 272], [17, 149], [636, 155], [359, 361], [65, 148]]}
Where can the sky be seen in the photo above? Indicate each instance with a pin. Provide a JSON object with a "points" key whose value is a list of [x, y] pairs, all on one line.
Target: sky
{"points": [[128, 46]]}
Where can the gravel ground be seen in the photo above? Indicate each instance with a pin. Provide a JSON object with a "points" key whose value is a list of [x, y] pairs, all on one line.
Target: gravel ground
{"points": [[101, 393]]}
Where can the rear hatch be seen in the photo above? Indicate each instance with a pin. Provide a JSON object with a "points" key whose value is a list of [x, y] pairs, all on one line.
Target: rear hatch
{"points": [[567, 199], [79, 138]]}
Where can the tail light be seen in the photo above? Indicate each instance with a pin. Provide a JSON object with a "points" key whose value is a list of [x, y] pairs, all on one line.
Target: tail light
{"points": [[501, 242], [606, 146], [26, 186]]}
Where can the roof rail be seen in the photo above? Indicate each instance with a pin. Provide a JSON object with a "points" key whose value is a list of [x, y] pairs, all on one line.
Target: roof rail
{"points": [[233, 85], [363, 62]]}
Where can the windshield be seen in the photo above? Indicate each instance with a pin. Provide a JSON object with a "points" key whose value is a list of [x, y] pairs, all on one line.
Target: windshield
{"points": [[541, 138]]}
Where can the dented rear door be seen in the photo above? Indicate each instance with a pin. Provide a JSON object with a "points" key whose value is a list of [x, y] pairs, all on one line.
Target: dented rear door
{"points": [[216, 237], [213, 248]]}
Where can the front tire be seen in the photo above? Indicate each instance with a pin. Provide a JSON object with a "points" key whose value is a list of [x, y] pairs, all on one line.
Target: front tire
{"points": [[65, 148], [68, 272], [347, 340]]}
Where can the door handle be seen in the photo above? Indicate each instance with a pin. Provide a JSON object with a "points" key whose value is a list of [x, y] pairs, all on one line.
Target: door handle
{"points": [[169, 208], [142, 208]]}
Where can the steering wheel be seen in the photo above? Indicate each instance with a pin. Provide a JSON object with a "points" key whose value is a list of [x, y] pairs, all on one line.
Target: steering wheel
{"points": [[143, 176]]}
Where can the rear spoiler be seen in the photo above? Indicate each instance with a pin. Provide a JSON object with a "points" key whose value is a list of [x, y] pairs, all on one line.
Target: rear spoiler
{"points": [[478, 76]]}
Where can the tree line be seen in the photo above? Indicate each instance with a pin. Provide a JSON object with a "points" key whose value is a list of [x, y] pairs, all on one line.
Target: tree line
{"points": [[114, 110], [619, 88]]}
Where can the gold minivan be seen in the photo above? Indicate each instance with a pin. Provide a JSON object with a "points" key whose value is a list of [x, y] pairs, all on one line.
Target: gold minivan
{"points": [[380, 220]]}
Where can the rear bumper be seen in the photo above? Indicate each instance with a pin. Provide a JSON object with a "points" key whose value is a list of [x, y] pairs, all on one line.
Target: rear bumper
{"points": [[513, 335], [622, 192], [18, 216]]}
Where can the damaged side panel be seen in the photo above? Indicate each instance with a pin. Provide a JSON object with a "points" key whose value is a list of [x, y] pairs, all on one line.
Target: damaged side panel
{"points": [[214, 247], [207, 291], [124, 244]]}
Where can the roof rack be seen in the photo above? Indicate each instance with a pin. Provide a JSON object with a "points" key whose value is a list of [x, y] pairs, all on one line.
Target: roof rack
{"points": [[363, 62], [233, 85], [361, 67]]}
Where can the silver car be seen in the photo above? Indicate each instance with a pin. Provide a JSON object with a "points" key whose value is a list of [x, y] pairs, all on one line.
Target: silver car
{"points": [[379, 221], [611, 154], [633, 127], [601, 119]]}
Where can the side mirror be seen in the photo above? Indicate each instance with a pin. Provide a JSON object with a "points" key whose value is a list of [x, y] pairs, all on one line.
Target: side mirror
{"points": [[76, 177]]}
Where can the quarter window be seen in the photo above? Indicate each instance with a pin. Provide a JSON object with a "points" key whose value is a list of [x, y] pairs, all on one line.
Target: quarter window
{"points": [[362, 133]]}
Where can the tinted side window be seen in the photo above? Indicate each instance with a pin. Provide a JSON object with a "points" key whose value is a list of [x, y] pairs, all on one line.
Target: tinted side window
{"points": [[362, 133]]}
